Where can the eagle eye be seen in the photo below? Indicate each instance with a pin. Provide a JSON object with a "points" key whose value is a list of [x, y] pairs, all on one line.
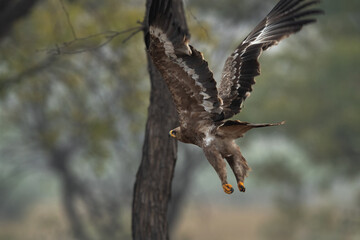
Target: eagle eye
{"points": [[172, 133]]}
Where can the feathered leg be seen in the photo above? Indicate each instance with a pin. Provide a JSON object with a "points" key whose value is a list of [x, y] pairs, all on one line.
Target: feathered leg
{"points": [[240, 169], [219, 165], [238, 165]]}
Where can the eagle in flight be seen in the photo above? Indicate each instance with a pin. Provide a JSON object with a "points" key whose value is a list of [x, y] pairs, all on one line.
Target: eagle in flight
{"points": [[202, 107]]}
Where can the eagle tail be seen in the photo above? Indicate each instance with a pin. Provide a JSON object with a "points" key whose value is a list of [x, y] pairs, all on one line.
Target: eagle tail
{"points": [[259, 125], [235, 129]]}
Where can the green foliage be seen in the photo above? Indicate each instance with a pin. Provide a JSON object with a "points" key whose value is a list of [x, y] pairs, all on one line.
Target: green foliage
{"points": [[69, 84], [90, 105], [233, 10]]}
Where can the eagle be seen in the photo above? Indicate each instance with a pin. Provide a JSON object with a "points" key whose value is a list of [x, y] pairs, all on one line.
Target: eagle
{"points": [[203, 108]]}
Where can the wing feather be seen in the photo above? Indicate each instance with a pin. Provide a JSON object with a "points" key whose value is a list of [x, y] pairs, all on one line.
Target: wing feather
{"points": [[183, 68], [240, 69]]}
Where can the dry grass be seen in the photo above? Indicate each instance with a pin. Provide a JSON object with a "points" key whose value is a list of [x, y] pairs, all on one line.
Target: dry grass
{"points": [[42, 222], [204, 222], [221, 222], [47, 222]]}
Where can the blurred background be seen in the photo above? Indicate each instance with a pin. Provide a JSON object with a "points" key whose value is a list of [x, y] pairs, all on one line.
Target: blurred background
{"points": [[73, 106]]}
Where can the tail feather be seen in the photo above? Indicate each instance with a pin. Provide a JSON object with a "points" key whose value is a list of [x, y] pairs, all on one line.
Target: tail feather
{"points": [[259, 125], [236, 129]]}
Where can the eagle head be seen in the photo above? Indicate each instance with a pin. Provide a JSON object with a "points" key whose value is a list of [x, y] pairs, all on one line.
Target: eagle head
{"points": [[175, 133]]}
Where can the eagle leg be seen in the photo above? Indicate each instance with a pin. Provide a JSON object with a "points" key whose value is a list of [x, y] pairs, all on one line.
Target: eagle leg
{"points": [[240, 168], [218, 163]]}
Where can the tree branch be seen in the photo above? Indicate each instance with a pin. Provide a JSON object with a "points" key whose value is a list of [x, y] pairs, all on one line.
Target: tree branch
{"points": [[68, 19]]}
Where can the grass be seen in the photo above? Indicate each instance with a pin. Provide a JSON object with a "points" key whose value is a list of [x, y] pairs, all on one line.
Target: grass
{"points": [[213, 222]]}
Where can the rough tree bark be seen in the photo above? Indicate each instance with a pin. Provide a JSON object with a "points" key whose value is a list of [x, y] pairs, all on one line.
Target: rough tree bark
{"points": [[152, 188]]}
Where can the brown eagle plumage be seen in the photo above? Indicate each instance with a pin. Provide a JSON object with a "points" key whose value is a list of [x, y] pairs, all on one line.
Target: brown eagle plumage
{"points": [[202, 107]]}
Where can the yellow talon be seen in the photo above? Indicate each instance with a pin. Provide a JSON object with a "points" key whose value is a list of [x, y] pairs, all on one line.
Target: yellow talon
{"points": [[241, 187], [228, 188]]}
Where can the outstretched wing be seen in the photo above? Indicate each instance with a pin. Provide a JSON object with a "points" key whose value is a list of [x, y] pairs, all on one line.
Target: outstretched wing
{"points": [[286, 18], [183, 68]]}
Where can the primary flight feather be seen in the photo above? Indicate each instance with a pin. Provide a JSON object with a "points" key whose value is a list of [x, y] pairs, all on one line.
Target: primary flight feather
{"points": [[202, 107]]}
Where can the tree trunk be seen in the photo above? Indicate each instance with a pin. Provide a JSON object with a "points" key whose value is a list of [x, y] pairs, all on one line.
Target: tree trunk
{"points": [[60, 164], [68, 198], [152, 188]]}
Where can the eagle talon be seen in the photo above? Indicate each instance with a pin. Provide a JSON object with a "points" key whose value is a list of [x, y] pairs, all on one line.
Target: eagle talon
{"points": [[241, 187], [228, 188]]}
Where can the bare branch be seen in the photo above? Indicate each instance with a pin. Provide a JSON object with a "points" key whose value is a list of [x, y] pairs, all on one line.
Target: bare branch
{"points": [[68, 19], [198, 22], [132, 34], [90, 43]]}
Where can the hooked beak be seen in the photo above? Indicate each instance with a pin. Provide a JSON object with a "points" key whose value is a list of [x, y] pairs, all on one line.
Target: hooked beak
{"points": [[171, 133]]}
